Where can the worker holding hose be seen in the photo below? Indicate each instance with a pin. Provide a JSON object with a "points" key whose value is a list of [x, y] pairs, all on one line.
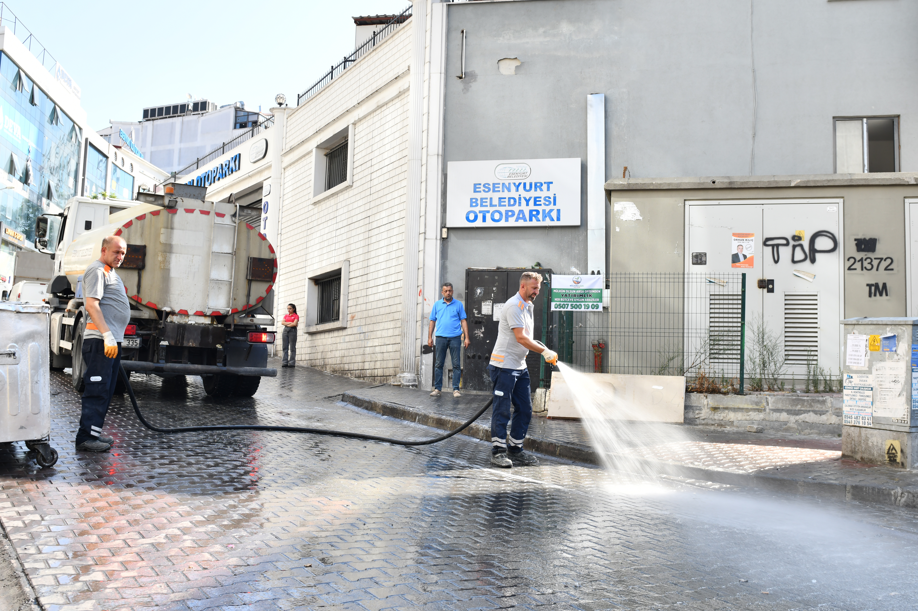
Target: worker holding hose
{"points": [[109, 312], [510, 376]]}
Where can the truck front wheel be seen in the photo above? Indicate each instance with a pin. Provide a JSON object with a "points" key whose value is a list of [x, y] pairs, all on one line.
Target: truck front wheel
{"points": [[219, 385], [76, 351]]}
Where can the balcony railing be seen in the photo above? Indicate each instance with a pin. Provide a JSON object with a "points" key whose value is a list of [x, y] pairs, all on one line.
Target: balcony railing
{"points": [[338, 69]]}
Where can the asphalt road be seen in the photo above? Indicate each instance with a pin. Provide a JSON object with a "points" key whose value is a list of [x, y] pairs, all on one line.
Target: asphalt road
{"points": [[253, 520]]}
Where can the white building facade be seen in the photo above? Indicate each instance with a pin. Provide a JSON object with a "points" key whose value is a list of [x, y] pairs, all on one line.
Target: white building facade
{"points": [[174, 136]]}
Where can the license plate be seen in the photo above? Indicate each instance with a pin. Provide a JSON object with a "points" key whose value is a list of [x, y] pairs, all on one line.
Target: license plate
{"points": [[131, 342]]}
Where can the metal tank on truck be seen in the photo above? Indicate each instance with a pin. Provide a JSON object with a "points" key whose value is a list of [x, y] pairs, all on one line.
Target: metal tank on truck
{"points": [[200, 281]]}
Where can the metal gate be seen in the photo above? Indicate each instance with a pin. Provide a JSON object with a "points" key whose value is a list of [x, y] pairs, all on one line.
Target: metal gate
{"points": [[486, 291]]}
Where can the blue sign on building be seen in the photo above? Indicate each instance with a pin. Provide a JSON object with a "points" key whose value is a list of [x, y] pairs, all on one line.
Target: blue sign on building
{"points": [[218, 173], [130, 143]]}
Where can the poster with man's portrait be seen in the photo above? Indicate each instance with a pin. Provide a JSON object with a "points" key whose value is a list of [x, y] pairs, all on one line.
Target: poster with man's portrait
{"points": [[742, 250]]}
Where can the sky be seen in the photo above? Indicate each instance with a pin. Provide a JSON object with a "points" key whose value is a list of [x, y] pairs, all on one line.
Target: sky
{"points": [[129, 54]]}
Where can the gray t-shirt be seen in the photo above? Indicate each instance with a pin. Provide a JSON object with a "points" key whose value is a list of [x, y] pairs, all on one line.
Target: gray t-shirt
{"points": [[102, 282], [509, 353]]}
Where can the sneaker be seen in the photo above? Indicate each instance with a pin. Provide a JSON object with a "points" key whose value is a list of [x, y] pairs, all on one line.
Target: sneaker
{"points": [[523, 459], [106, 439], [284, 365], [93, 445], [500, 460], [456, 394], [435, 393]]}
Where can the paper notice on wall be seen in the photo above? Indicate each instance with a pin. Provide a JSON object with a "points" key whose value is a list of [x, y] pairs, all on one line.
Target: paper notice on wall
{"points": [[856, 351], [742, 250], [889, 378], [487, 307], [914, 393], [858, 399], [888, 343], [498, 308]]}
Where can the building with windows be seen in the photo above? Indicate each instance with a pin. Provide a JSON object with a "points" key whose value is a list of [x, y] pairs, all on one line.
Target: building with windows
{"points": [[726, 128], [174, 136], [48, 155]]}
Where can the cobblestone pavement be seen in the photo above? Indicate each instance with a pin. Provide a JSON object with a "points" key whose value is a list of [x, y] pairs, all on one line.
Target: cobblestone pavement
{"points": [[812, 464], [255, 520]]}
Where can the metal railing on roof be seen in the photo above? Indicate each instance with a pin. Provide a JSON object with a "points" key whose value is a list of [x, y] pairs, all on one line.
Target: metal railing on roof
{"points": [[359, 52], [217, 152], [9, 19]]}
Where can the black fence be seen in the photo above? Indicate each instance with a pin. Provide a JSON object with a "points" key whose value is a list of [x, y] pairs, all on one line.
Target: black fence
{"points": [[661, 324], [221, 150], [339, 68]]}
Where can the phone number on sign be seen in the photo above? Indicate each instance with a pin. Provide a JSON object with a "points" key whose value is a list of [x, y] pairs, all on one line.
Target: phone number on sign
{"points": [[576, 306]]}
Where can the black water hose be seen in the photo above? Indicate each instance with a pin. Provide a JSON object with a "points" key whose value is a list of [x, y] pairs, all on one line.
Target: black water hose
{"points": [[295, 429]]}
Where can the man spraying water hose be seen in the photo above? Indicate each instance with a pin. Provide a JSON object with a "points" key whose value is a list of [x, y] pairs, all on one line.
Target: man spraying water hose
{"points": [[511, 377]]}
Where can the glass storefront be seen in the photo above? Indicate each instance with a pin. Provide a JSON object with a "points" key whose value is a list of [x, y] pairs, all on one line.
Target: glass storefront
{"points": [[122, 183], [39, 148], [96, 164]]}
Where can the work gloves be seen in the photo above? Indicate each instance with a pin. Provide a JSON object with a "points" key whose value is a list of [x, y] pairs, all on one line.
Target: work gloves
{"points": [[111, 346], [551, 357]]}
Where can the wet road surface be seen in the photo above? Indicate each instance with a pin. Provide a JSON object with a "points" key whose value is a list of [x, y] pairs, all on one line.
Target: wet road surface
{"points": [[255, 520]]}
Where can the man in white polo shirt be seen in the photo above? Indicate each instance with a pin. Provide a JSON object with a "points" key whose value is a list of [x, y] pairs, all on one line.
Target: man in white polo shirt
{"points": [[510, 376]]}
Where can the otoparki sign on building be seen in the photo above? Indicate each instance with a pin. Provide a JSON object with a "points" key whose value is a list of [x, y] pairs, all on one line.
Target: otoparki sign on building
{"points": [[522, 193]]}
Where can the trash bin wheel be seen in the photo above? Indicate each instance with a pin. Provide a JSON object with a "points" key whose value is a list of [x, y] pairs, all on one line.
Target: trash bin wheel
{"points": [[45, 456]]}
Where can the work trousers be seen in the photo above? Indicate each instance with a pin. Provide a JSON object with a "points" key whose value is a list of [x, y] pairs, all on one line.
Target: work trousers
{"points": [[512, 404], [99, 381], [455, 346], [289, 340]]}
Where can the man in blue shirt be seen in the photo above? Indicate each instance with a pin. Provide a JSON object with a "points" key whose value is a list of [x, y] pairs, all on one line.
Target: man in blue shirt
{"points": [[448, 316]]}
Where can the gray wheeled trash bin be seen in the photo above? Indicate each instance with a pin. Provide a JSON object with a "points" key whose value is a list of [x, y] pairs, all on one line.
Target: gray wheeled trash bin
{"points": [[25, 386]]}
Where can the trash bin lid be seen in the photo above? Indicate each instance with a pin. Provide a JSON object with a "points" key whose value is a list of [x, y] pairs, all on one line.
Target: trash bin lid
{"points": [[25, 308]]}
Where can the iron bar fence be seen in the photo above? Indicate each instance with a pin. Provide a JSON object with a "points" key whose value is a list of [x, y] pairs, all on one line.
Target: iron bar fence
{"points": [[221, 150], [661, 324], [338, 69], [9, 19]]}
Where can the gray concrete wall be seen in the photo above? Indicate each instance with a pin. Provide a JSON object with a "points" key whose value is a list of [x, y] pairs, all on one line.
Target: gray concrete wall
{"points": [[869, 211], [678, 80]]}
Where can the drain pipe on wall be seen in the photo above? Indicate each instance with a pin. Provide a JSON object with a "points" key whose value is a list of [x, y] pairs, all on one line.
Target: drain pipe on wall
{"points": [[410, 298], [596, 193]]}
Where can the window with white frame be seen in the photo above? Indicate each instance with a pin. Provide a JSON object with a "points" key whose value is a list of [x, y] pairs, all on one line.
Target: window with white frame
{"points": [[326, 298], [333, 162], [866, 144]]}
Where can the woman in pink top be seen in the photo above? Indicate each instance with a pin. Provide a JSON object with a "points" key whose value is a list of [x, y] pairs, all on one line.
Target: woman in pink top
{"points": [[291, 320]]}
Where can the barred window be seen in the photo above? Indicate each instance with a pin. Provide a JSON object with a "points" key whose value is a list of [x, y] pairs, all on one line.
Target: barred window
{"points": [[336, 166], [329, 299]]}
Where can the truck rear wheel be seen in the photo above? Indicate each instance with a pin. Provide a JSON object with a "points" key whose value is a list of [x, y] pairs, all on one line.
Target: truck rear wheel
{"points": [[220, 385], [247, 386]]}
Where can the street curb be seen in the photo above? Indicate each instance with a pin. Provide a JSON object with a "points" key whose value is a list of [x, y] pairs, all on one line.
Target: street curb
{"points": [[769, 480], [8, 550]]}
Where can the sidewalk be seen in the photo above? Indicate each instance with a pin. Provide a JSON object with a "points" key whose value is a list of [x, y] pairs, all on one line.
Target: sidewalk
{"points": [[806, 465]]}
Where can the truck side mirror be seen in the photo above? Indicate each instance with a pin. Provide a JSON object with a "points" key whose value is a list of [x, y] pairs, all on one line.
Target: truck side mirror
{"points": [[41, 229], [41, 235]]}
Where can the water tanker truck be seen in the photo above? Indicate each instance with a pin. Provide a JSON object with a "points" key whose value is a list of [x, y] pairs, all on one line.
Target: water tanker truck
{"points": [[199, 278]]}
